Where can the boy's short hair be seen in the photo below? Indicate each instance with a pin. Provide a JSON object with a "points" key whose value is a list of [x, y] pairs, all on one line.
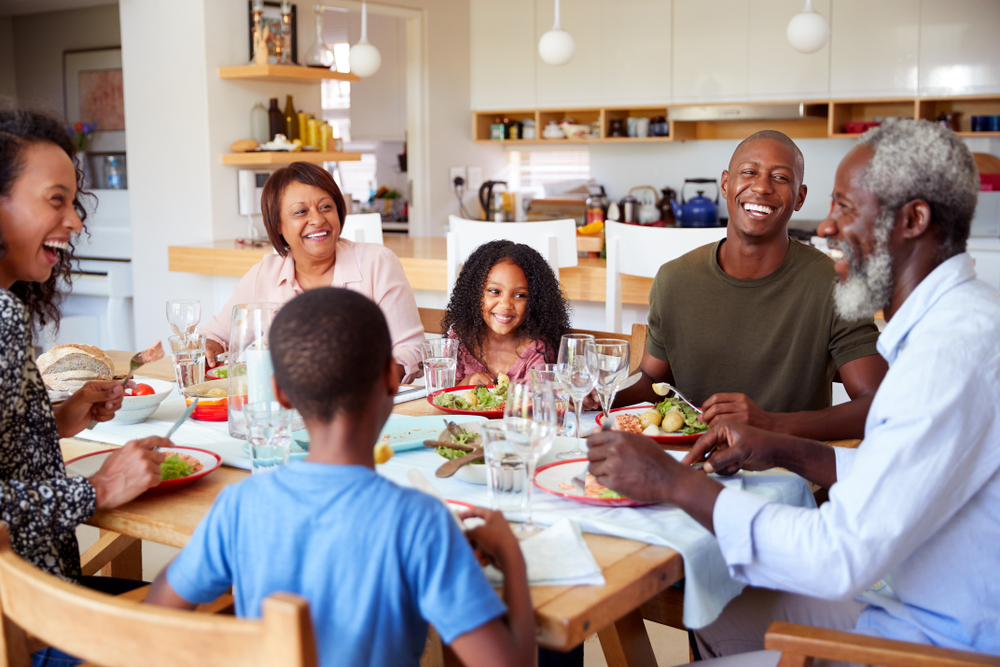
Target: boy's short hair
{"points": [[329, 346]]}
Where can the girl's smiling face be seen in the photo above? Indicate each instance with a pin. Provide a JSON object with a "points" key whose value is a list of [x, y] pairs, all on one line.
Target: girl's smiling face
{"points": [[505, 299], [309, 222]]}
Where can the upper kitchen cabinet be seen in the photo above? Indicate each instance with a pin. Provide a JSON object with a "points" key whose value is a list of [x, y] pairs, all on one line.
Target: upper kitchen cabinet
{"points": [[959, 47], [874, 48], [710, 50], [502, 53], [635, 51], [776, 71], [578, 82]]}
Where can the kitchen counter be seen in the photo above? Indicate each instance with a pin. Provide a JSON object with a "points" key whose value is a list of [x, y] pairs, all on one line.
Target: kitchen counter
{"points": [[423, 260]]}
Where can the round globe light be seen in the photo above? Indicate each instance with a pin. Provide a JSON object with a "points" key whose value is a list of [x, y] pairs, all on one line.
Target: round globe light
{"points": [[808, 31], [557, 47], [364, 59]]}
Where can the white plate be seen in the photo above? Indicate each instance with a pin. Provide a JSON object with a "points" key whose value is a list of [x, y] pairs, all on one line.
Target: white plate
{"points": [[88, 464]]}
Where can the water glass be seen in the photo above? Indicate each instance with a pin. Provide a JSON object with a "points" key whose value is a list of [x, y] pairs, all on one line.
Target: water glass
{"points": [[440, 361], [608, 361], [188, 353], [269, 432], [506, 471], [574, 374], [547, 373], [184, 316], [530, 420]]}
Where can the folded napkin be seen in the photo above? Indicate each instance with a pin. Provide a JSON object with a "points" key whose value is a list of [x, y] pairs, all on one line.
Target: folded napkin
{"points": [[557, 556]]}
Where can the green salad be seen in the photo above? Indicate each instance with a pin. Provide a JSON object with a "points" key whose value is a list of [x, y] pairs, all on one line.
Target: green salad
{"points": [[450, 454], [691, 423], [479, 399], [173, 467]]}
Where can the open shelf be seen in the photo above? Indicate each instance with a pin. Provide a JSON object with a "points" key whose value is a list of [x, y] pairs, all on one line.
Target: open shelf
{"points": [[966, 107], [866, 111], [264, 158], [283, 74]]}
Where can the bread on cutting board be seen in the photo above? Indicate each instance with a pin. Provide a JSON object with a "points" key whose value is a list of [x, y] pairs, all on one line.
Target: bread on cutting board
{"points": [[69, 367]]}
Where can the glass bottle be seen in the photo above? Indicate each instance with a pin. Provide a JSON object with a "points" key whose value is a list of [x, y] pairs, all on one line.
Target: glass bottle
{"points": [[286, 33], [259, 124], [258, 12], [276, 120], [113, 173], [291, 120], [319, 54]]}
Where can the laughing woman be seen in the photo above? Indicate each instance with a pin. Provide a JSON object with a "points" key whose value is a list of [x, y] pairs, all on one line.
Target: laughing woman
{"points": [[39, 215], [303, 212]]}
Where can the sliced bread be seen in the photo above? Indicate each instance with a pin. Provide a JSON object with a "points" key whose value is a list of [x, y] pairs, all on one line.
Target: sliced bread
{"points": [[68, 367]]}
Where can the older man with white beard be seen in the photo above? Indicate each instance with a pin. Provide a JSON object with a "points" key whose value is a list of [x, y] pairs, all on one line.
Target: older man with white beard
{"points": [[906, 548]]}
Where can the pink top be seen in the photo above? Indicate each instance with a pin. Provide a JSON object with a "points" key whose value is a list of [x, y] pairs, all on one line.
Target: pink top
{"points": [[367, 268], [468, 364]]}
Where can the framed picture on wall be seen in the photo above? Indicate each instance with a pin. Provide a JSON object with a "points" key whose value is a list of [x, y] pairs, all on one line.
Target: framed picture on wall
{"points": [[272, 19], [92, 83]]}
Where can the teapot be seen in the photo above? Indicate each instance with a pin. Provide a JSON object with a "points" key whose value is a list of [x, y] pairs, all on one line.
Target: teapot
{"points": [[700, 211], [649, 212]]}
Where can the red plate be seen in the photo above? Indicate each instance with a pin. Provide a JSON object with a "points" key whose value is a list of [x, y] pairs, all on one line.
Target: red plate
{"points": [[679, 441], [87, 464], [489, 414], [549, 477]]}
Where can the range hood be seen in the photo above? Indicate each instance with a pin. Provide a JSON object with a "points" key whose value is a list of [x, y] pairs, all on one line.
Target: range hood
{"points": [[716, 112]]}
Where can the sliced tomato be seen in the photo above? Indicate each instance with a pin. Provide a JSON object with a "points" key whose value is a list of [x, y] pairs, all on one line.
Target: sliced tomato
{"points": [[143, 390]]}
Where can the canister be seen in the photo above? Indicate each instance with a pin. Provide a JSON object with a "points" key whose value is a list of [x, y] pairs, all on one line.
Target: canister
{"points": [[314, 136]]}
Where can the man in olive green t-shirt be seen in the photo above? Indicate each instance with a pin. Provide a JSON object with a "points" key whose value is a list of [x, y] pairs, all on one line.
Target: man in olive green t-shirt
{"points": [[746, 327]]}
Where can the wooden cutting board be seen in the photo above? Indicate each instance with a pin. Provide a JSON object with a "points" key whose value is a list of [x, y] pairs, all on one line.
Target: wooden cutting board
{"points": [[162, 369], [986, 163]]}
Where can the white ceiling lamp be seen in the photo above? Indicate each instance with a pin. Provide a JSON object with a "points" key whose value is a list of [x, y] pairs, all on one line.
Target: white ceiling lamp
{"points": [[556, 47], [364, 58], [808, 31]]}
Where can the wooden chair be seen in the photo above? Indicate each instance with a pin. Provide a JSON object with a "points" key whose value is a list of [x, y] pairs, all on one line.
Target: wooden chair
{"points": [[363, 228], [799, 644], [641, 251], [114, 632], [636, 340], [431, 319], [555, 240]]}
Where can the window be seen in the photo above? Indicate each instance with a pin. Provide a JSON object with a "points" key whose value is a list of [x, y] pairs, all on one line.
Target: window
{"points": [[532, 170]]}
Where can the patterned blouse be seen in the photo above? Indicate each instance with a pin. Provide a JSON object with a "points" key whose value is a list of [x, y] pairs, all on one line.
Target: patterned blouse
{"points": [[39, 503]]}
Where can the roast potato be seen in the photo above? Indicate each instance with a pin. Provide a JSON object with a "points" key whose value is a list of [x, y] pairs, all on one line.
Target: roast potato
{"points": [[650, 417], [672, 422]]}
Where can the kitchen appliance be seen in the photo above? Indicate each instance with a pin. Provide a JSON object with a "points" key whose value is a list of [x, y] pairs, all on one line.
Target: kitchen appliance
{"points": [[700, 211], [492, 202]]}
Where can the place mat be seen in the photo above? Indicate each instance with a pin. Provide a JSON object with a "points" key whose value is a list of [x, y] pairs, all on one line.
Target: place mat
{"points": [[708, 586]]}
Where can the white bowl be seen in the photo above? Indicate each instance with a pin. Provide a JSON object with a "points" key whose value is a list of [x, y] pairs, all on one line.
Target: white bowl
{"points": [[474, 473], [136, 409]]}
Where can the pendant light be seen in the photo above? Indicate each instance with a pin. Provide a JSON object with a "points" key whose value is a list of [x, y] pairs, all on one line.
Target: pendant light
{"points": [[808, 31], [364, 58], [556, 47]]}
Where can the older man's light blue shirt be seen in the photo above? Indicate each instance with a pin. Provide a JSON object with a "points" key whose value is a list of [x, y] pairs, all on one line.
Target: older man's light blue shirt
{"points": [[912, 528]]}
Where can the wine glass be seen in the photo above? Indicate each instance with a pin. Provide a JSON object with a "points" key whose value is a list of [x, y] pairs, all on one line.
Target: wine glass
{"points": [[575, 377], [530, 422], [607, 359], [547, 372], [184, 316]]}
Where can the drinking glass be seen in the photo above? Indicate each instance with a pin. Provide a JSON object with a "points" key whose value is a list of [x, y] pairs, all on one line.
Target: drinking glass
{"points": [[188, 353], [607, 359], [530, 420], [575, 377], [547, 373], [249, 366], [269, 432], [184, 316], [440, 361], [506, 471]]}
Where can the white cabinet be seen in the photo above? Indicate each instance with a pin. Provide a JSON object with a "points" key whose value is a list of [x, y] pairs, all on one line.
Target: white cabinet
{"points": [[959, 47], [502, 54], [874, 48], [710, 50], [776, 71], [635, 51], [578, 82]]}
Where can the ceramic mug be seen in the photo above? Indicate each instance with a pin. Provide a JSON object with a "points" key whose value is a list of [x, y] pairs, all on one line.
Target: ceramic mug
{"points": [[641, 127], [633, 125]]}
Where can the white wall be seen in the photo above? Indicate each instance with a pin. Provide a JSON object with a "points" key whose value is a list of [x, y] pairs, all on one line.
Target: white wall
{"points": [[39, 41], [8, 81]]}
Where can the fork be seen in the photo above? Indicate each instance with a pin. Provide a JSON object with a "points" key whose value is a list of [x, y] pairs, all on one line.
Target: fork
{"points": [[681, 396]]}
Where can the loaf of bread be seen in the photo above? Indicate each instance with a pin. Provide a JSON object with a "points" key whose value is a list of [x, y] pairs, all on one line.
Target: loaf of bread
{"points": [[69, 367]]}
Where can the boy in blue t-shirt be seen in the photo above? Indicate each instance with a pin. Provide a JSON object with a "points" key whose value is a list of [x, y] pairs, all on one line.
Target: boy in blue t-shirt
{"points": [[377, 562]]}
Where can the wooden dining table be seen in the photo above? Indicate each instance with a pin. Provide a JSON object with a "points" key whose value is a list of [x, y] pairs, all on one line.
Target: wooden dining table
{"points": [[635, 572]]}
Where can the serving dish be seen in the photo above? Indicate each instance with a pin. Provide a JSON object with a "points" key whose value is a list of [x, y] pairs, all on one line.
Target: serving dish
{"points": [[136, 409], [209, 409], [489, 414]]}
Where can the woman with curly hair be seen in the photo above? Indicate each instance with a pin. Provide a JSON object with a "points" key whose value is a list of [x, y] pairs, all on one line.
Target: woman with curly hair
{"points": [[507, 311], [40, 213]]}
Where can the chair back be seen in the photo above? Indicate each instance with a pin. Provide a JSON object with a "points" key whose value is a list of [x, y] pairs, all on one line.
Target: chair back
{"points": [[113, 632], [641, 251], [555, 240], [363, 228], [431, 319], [636, 341]]}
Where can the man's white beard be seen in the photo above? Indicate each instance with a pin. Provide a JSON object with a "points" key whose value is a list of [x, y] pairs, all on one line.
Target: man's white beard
{"points": [[869, 283]]}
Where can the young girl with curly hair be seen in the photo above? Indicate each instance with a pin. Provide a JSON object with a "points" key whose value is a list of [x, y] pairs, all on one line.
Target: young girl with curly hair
{"points": [[507, 311]]}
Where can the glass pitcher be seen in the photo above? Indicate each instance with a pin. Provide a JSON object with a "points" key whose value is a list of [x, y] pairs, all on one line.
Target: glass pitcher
{"points": [[249, 365]]}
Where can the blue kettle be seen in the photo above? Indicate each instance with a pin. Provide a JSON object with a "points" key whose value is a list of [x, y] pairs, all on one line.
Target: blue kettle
{"points": [[700, 211]]}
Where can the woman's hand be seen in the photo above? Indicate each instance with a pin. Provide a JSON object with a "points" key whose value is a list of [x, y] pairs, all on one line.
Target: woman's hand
{"points": [[477, 379], [97, 401], [129, 471], [212, 350]]}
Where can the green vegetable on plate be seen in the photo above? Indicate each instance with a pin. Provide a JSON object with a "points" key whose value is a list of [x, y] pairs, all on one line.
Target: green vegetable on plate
{"points": [[691, 423], [173, 467]]}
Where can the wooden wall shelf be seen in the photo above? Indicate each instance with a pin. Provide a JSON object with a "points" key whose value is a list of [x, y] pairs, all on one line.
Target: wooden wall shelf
{"points": [[265, 158], [283, 74]]}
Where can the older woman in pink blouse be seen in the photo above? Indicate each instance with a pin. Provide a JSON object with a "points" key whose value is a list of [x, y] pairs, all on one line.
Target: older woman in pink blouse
{"points": [[303, 209]]}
